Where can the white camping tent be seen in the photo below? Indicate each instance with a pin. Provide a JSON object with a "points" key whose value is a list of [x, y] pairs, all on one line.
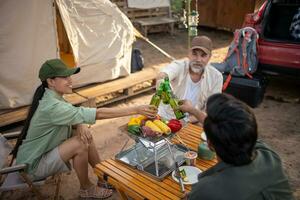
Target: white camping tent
{"points": [[100, 35]]}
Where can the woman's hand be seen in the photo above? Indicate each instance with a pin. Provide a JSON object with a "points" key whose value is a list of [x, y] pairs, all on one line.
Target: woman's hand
{"points": [[84, 133], [148, 110]]}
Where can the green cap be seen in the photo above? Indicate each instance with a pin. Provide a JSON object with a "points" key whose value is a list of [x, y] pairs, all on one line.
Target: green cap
{"points": [[56, 68]]}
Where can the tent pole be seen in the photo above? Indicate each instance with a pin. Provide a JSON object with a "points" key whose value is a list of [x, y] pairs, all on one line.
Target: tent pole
{"points": [[139, 35]]}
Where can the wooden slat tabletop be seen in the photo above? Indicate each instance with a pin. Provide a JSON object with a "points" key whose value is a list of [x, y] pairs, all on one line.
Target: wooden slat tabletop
{"points": [[137, 185]]}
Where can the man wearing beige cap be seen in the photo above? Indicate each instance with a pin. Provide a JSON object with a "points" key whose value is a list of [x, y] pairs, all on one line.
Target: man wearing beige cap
{"points": [[192, 79]]}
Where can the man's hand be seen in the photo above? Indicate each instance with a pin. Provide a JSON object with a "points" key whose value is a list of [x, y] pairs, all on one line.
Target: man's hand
{"points": [[84, 133], [186, 106], [160, 78], [147, 110]]}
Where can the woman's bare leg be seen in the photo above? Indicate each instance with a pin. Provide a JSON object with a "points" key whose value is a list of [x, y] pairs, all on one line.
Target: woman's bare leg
{"points": [[93, 155], [74, 148]]}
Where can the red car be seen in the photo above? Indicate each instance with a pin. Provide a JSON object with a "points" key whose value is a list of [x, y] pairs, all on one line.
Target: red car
{"points": [[278, 49]]}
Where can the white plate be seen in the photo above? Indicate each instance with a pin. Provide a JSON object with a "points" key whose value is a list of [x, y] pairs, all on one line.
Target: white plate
{"points": [[203, 136], [191, 173]]}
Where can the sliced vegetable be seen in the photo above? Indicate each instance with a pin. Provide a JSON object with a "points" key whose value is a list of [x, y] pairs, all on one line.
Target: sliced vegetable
{"points": [[162, 126]]}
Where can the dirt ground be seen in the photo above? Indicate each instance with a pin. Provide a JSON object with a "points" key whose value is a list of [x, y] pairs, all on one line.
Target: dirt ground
{"points": [[278, 116]]}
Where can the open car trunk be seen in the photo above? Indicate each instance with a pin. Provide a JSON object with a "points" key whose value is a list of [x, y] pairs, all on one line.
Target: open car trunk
{"points": [[277, 25]]}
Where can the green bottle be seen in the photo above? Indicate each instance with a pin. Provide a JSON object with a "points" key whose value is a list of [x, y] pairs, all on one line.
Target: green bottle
{"points": [[174, 105], [166, 91], [156, 98]]}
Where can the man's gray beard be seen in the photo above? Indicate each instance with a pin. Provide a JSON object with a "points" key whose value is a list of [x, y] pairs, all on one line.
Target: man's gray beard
{"points": [[196, 70]]}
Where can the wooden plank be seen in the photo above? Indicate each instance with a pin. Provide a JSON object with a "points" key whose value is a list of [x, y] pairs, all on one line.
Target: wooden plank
{"points": [[114, 86], [120, 4], [157, 188], [162, 17], [125, 96], [154, 21], [231, 15], [152, 12], [227, 15], [207, 12], [121, 188], [13, 116], [146, 179], [126, 180]]}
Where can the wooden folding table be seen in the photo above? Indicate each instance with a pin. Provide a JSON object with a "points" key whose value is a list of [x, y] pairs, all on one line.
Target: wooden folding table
{"points": [[130, 182]]}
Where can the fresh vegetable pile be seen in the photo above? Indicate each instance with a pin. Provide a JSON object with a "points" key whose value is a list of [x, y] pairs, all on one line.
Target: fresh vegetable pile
{"points": [[142, 126]]}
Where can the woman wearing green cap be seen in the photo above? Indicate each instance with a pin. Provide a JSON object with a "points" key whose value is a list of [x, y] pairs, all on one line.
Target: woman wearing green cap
{"points": [[46, 143]]}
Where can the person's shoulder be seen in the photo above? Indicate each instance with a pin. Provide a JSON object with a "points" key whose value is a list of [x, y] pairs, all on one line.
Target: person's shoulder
{"points": [[213, 72], [204, 189], [211, 69], [175, 66], [177, 63], [53, 104], [265, 150]]}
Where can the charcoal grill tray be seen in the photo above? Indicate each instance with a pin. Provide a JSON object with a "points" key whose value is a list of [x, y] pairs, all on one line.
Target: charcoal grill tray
{"points": [[141, 158]]}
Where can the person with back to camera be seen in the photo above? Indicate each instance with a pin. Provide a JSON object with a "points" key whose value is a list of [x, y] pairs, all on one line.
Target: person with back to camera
{"points": [[46, 143], [247, 168]]}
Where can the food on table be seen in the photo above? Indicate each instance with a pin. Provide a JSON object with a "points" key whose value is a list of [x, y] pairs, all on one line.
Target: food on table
{"points": [[175, 125], [183, 175], [162, 126], [154, 127], [134, 129], [136, 120], [148, 132]]}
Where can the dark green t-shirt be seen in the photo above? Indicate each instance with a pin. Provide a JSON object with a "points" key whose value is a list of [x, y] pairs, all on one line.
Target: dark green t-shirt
{"points": [[262, 179]]}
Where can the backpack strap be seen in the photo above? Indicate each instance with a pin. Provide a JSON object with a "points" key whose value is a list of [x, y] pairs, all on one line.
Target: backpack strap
{"points": [[235, 48], [246, 39], [237, 34], [226, 83]]}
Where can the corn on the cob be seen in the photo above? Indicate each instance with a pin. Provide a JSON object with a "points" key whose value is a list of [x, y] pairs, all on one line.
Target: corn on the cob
{"points": [[162, 126], [153, 127]]}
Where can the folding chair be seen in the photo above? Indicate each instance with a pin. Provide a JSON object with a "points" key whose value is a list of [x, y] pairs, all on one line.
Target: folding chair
{"points": [[14, 177]]}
